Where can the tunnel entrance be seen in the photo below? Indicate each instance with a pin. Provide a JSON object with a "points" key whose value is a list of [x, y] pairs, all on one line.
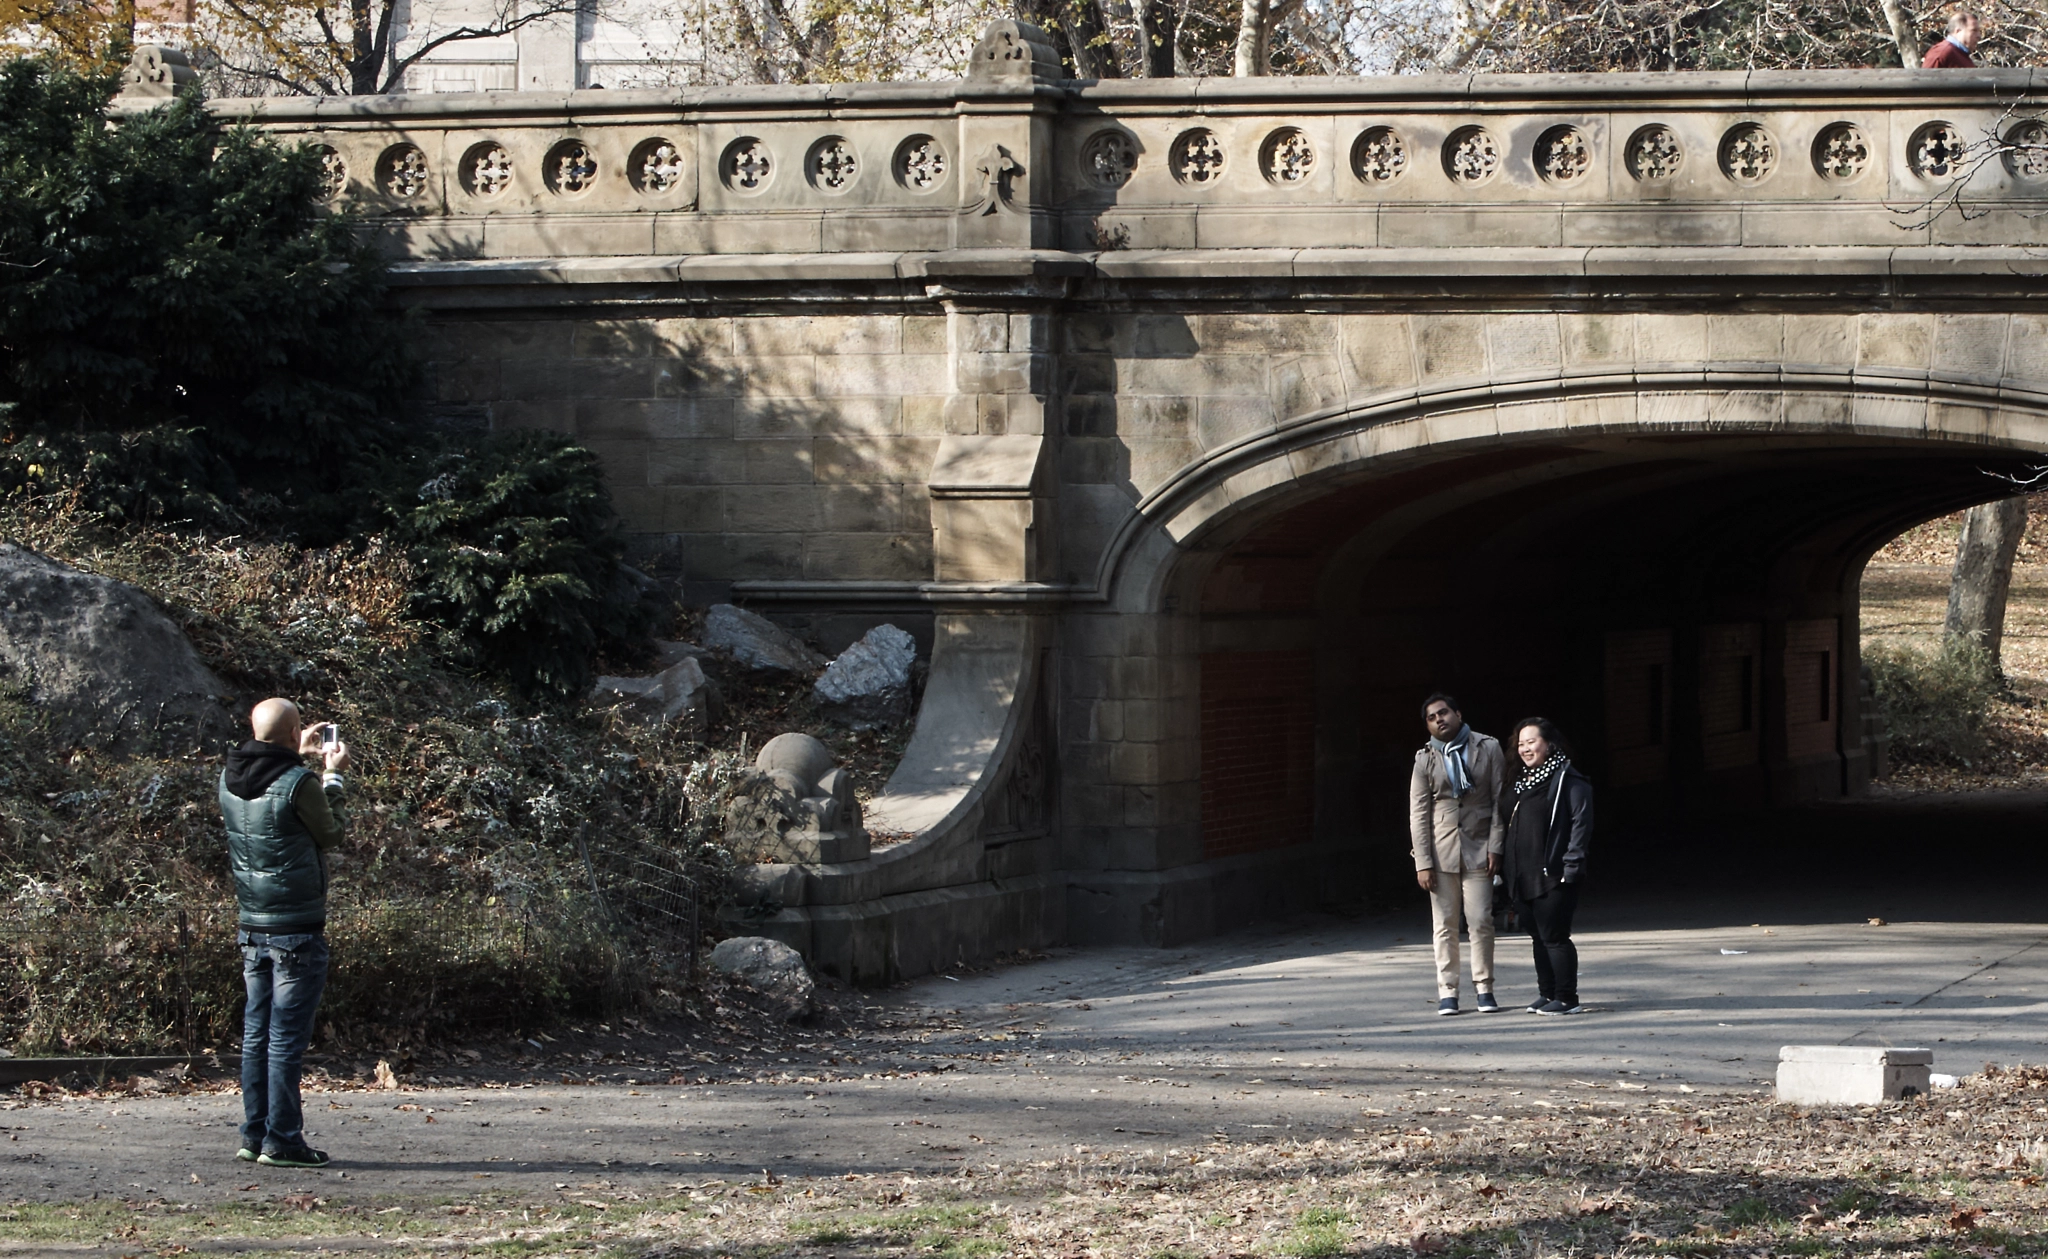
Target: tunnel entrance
{"points": [[1685, 606]]}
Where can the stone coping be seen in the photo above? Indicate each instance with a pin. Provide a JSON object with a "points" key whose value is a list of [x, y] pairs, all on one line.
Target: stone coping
{"points": [[1218, 264], [1757, 90]]}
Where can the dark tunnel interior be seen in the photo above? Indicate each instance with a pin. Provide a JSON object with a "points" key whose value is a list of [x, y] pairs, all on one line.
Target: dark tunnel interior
{"points": [[1684, 607]]}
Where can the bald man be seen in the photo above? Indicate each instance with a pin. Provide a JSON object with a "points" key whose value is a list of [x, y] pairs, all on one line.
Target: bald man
{"points": [[282, 819]]}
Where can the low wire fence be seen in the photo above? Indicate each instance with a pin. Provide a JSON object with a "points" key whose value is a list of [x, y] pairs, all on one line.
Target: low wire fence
{"points": [[167, 978]]}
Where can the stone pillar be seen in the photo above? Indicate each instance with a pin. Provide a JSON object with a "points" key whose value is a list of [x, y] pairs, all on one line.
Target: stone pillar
{"points": [[1006, 110], [995, 479], [547, 54]]}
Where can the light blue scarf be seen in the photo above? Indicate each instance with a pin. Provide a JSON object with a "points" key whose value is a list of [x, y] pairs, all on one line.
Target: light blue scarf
{"points": [[1454, 761]]}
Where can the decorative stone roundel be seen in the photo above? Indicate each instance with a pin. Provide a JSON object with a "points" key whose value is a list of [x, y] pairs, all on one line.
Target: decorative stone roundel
{"points": [[1379, 155], [1937, 151], [920, 164], [1109, 158], [832, 165], [656, 166], [1563, 155], [1654, 154], [1287, 157], [1197, 157], [333, 172], [746, 166], [1749, 154], [1471, 156], [2026, 149], [1841, 152], [486, 170], [571, 169], [402, 172]]}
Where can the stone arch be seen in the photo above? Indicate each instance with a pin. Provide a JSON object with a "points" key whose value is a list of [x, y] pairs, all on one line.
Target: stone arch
{"points": [[1274, 609]]}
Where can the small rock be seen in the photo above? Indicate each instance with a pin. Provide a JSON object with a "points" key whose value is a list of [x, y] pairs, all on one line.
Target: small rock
{"points": [[772, 969], [668, 654], [758, 643], [869, 684], [680, 692]]}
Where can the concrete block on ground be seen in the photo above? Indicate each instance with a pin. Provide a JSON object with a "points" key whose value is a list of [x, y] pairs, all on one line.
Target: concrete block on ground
{"points": [[1851, 1075]]}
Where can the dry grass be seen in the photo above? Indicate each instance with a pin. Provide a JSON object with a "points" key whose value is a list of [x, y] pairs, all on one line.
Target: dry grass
{"points": [[461, 881], [1591, 1171]]}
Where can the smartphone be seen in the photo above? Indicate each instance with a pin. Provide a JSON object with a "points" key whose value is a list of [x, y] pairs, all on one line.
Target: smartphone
{"points": [[330, 735]]}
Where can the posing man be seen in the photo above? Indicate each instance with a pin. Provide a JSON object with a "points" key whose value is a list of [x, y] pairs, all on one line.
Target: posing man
{"points": [[281, 821], [1456, 831], [1954, 51]]}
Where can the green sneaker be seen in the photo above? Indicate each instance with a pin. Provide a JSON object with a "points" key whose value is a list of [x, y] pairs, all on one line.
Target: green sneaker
{"points": [[246, 1154], [300, 1156]]}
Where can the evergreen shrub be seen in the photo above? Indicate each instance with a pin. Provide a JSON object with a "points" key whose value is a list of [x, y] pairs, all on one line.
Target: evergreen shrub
{"points": [[1936, 703]]}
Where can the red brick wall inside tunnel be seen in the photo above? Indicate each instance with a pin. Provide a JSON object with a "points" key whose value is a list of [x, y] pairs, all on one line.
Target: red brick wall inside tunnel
{"points": [[1258, 750]]}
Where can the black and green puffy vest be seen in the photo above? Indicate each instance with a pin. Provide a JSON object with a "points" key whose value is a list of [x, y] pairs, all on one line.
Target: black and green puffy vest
{"points": [[280, 878]]}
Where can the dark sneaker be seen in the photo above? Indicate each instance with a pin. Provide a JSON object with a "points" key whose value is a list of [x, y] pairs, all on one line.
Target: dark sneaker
{"points": [[1559, 1007], [1536, 1006], [1486, 1004], [1447, 1007], [246, 1154], [301, 1156]]}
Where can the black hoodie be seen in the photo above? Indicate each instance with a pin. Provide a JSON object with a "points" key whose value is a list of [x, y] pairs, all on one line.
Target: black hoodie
{"points": [[255, 765]]}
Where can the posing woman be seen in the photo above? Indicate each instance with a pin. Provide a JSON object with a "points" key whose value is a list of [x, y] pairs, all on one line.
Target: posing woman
{"points": [[1545, 859]]}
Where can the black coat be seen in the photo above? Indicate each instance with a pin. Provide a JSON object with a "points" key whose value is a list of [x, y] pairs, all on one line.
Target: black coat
{"points": [[1568, 805]]}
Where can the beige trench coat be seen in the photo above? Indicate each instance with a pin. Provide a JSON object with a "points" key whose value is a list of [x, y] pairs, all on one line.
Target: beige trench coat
{"points": [[1449, 833]]}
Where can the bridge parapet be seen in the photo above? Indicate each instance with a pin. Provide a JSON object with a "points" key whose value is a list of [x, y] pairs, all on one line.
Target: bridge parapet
{"points": [[1011, 157]]}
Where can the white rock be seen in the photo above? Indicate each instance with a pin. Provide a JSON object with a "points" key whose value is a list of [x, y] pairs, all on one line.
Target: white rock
{"points": [[771, 968], [870, 681], [679, 692], [758, 643]]}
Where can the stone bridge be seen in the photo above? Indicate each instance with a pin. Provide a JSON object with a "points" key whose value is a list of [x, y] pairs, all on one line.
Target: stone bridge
{"points": [[1200, 428]]}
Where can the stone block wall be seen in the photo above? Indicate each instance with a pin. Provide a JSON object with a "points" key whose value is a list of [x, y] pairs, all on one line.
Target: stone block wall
{"points": [[786, 447]]}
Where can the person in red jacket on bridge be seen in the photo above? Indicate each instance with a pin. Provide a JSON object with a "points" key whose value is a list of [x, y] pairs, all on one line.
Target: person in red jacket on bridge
{"points": [[1953, 52]]}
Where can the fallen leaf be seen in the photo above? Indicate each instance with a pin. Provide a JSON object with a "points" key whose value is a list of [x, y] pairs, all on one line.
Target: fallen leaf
{"points": [[1966, 1219], [1879, 922], [386, 1077], [1490, 1191], [299, 1201], [1424, 1244]]}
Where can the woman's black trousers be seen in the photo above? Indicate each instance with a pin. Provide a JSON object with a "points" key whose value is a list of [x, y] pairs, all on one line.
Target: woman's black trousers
{"points": [[1549, 919]]}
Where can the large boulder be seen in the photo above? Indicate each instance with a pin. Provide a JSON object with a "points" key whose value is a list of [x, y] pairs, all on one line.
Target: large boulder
{"points": [[868, 684], [758, 643], [116, 672], [772, 969]]}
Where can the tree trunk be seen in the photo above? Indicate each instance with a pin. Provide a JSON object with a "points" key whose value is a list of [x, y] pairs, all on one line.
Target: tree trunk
{"points": [[1160, 31], [1251, 39], [1902, 34], [1983, 573]]}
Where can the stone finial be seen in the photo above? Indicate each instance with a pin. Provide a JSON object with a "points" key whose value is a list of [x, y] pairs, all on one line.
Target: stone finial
{"points": [[156, 72], [1013, 51], [818, 796]]}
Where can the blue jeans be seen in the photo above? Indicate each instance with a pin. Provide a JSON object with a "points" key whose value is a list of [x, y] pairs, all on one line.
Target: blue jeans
{"points": [[284, 975]]}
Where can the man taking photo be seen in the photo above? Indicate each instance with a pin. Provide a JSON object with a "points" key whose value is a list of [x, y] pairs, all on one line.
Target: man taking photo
{"points": [[1455, 828], [281, 822]]}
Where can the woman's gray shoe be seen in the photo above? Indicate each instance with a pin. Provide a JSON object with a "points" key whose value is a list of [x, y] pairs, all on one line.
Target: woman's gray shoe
{"points": [[301, 1156], [1536, 1006], [1559, 1007]]}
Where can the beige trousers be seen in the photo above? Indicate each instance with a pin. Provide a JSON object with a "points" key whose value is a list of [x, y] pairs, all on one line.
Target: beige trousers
{"points": [[1471, 892]]}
